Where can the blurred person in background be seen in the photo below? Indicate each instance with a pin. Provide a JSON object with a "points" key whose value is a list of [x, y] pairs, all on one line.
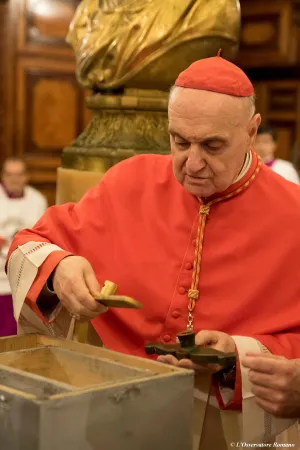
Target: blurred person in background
{"points": [[266, 146], [21, 206]]}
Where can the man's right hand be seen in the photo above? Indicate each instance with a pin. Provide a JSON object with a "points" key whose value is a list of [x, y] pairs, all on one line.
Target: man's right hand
{"points": [[75, 285], [275, 383]]}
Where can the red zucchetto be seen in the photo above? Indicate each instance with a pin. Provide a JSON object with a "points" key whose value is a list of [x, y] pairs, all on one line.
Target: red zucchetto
{"points": [[216, 74]]}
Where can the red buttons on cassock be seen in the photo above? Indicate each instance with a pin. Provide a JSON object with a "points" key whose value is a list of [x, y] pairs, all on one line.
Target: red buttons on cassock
{"points": [[181, 290], [167, 338], [175, 314], [188, 266], [194, 242]]}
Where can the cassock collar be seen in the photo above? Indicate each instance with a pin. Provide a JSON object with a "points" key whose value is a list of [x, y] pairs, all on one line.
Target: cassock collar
{"points": [[245, 168], [250, 168]]}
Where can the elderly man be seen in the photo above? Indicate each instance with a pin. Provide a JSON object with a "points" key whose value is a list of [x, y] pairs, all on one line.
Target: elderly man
{"points": [[185, 234], [21, 206]]}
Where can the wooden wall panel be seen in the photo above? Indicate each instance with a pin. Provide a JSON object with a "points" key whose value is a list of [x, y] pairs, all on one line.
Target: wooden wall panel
{"points": [[58, 101], [279, 103], [43, 26], [3, 34], [268, 36], [270, 54], [48, 21], [50, 114], [46, 104], [286, 138], [6, 82]]}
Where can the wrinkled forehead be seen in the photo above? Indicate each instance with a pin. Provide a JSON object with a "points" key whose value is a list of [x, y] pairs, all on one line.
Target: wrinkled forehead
{"points": [[196, 112], [194, 103]]}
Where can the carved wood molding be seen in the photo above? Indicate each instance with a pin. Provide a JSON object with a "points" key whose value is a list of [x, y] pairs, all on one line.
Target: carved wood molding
{"points": [[3, 98], [295, 5], [296, 12], [43, 27], [270, 35]]}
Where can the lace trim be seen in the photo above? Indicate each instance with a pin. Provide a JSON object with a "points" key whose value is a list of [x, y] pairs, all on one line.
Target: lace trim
{"points": [[29, 252], [22, 268]]}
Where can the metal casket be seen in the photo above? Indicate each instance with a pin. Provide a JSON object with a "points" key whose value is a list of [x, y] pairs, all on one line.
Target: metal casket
{"points": [[62, 395]]}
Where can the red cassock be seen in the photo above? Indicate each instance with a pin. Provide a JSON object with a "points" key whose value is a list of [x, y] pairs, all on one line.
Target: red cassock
{"points": [[138, 228]]}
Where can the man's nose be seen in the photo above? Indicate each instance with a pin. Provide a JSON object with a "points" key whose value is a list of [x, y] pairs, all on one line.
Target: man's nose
{"points": [[196, 160]]}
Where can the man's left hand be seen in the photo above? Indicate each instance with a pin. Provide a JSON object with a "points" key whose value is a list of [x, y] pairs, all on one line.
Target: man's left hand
{"points": [[275, 383], [206, 338]]}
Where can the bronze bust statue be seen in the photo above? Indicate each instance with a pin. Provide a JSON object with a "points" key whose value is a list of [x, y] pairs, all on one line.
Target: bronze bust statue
{"points": [[146, 43]]}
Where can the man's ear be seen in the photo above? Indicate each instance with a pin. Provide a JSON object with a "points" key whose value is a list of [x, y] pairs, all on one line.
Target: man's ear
{"points": [[252, 129]]}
